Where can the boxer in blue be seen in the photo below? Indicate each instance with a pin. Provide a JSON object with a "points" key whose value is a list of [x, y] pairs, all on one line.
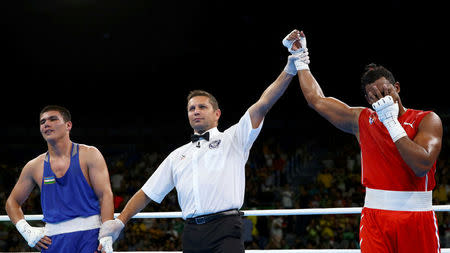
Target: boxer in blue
{"points": [[76, 194]]}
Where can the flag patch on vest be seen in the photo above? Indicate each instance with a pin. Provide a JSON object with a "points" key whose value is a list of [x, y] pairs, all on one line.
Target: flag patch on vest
{"points": [[372, 119], [49, 180]]}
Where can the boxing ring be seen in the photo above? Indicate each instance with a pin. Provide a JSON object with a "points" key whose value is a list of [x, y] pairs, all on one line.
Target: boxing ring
{"points": [[272, 212]]}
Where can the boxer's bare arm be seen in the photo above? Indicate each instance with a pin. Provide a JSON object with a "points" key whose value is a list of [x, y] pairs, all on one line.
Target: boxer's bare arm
{"points": [[335, 111], [29, 177], [99, 178], [22, 189]]}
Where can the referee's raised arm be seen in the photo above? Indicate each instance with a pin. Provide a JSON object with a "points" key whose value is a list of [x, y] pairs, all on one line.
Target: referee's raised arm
{"points": [[271, 95]]}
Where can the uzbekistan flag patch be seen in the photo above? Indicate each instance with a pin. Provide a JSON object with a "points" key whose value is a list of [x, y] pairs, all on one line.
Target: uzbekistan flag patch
{"points": [[49, 180]]}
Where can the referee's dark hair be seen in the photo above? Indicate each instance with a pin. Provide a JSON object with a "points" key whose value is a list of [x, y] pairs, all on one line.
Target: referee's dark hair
{"points": [[212, 99]]}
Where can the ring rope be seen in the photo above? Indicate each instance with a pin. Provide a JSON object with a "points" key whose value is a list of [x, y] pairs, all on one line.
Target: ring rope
{"points": [[270, 212], [279, 251]]}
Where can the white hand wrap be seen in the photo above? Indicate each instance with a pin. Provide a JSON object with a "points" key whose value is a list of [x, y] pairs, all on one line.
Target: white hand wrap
{"points": [[302, 60], [31, 234], [387, 111], [111, 228], [107, 243], [289, 43], [290, 66]]}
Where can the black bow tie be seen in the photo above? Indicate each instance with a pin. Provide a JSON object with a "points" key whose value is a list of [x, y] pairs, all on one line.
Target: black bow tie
{"points": [[196, 137]]}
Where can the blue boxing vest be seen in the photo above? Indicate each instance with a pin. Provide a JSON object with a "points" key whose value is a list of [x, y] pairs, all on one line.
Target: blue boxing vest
{"points": [[69, 196]]}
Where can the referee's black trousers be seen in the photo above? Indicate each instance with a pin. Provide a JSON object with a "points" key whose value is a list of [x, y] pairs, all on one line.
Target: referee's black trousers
{"points": [[223, 235]]}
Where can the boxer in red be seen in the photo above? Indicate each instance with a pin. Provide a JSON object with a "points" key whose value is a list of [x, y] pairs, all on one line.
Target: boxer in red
{"points": [[399, 149]]}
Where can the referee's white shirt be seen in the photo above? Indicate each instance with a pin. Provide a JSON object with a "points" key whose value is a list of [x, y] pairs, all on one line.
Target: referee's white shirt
{"points": [[209, 175]]}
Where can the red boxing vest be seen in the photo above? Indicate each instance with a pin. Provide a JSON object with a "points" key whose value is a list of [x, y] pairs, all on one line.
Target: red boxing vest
{"points": [[382, 167]]}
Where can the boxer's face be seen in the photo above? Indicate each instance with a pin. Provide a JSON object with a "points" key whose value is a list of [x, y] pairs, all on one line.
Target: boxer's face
{"points": [[53, 126], [381, 88]]}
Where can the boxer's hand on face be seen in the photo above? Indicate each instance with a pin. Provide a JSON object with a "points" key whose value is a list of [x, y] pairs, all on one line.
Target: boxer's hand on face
{"points": [[387, 111], [373, 94], [387, 90]]}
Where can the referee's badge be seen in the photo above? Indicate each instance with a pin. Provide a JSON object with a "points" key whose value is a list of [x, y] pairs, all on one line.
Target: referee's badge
{"points": [[214, 144]]}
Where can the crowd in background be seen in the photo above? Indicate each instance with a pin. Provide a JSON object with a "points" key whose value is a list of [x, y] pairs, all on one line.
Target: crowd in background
{"points": [[304, 175]]}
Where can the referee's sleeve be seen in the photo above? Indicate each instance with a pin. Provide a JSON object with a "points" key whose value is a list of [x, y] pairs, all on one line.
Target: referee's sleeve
{"points": [[245, 134], [160, 183]]}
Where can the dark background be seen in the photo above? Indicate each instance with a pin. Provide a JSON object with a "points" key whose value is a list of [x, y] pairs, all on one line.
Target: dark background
{"points": [[124, 68]]}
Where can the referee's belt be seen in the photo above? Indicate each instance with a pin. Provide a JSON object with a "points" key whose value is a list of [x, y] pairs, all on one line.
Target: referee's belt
{"points": [[214, 216]]}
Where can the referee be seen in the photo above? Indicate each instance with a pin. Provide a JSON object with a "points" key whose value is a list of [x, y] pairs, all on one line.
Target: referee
{"points": [[208, 173]]}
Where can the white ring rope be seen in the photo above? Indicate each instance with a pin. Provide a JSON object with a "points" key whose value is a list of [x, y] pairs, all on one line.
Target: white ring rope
{"points": [[272, 251], [279, 212], [278, 251], [272, 212]]}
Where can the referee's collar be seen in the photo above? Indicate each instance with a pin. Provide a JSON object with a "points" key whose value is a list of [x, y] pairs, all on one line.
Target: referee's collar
{"points": [[213, 132]]}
